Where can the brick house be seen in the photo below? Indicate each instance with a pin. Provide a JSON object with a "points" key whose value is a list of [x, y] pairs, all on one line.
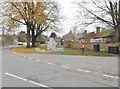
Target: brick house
{"points": [[69, 38], [86, 37], [105, 36]]}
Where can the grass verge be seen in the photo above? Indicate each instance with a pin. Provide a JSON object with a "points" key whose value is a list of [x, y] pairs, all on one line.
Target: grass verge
{"points": [[67, 51], [23, 49], [70, 51]]}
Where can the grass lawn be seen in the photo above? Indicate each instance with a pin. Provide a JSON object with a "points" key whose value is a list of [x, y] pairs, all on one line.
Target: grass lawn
{"points": [[70, 51], [43, 47], [58, 46], [23, 49], [67, 51]]}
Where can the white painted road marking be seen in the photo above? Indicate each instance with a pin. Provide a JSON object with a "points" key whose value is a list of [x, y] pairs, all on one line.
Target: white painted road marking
{"points": [[111, 76], [29, 58], [38, 60], [41, 85], [65, 66], [83, 70], [51, 63], [16, 76], [24, 56], [37, 83]]}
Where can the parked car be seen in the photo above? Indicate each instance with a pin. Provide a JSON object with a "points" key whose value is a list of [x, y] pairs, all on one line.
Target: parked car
{"points": [[20, 43]]}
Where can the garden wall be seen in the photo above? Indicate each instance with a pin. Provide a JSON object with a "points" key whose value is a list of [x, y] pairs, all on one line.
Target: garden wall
{"points": [[89, 46]]}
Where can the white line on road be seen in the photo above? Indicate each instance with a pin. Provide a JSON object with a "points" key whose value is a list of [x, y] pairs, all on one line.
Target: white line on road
{"points": [[83, 70], [24, 56], [37, 83], [29, 58], [111, 76], [65, 66], [41, 85], [16, 76], [51, 63], [38, 60]]}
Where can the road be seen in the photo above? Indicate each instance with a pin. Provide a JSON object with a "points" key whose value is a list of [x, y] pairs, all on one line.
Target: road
{"points": [[28, 70], [0, 66]]}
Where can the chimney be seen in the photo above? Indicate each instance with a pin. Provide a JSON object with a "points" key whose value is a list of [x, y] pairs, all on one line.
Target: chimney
{"points": [[97, 30], [85, 32]]}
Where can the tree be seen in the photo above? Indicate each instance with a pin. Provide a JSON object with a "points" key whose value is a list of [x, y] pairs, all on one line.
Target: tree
{"points": [[37, 16], [42, 39], [22, 36], [11, 25], [26, 13], [53, 20], [96, 11]]}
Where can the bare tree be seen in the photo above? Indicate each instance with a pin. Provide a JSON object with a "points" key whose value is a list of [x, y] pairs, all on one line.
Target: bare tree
{"points": [[105, 11]]}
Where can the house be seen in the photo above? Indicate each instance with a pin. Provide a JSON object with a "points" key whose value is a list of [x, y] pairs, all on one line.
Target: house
{"points": [[9, 39], [105, 36], [86, 37], [68, 38]]}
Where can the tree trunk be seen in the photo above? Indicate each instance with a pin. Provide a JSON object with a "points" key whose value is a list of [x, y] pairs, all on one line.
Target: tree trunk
{"points": [[117, 35], [28, 36], [119, 23], [33, 41], [33, 38]]}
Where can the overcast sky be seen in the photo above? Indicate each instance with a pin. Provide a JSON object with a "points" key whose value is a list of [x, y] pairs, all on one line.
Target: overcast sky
{"points": [[68, 10]]}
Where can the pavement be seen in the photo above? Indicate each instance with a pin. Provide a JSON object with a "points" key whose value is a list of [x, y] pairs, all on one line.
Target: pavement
{"points": [[36, 70], [59, 50]]}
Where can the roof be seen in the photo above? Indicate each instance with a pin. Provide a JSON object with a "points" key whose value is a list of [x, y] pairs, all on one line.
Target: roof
{"points": [[70, 36], [89, 35], [106, 33], [79, 35]]}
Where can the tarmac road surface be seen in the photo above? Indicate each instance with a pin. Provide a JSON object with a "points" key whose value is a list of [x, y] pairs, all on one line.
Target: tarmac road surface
{"points": [[21, 70]]}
